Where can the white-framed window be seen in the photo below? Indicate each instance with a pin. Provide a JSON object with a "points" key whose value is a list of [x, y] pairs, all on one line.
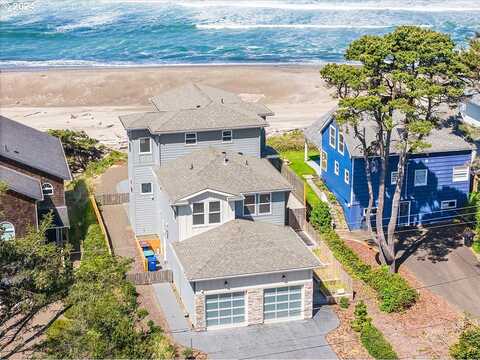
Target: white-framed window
{"points": [[225, 309], [7, 231], [264, 203], [214, 212], [145, 146], [227, 136], [47, 189], [346, 177], [146, 188], [205, 213], [282, 302], [324, 161], [460, 173], [332, 136], [198, 213], [337, 168], [393, 177], [448, 204], [373, 211], [249, 204], [420, 177], [191, 138], [341, 143]]}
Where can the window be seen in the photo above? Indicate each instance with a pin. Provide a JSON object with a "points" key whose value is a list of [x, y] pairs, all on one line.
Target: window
{"points": [[448, 204], [249, 205], [191, 138], [47, 189], [420, 177], [283, 302], [324, 161], [337, 168], [7, 231], [214, 212], [341, 143], [393, 177], [146, 188], [372, 212], [460, 173], [264, 203], [198, 213], [145, 147], [346, 177], [225, 309], [227, 136], [332, 138], [200, 210]]}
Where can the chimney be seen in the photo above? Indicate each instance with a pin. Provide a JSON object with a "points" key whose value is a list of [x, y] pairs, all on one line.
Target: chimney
{"points": [[191, 166], [221, 100], [225, 158]]}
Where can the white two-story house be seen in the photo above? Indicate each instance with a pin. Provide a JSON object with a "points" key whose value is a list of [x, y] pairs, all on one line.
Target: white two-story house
{"points": [[198, 181]]}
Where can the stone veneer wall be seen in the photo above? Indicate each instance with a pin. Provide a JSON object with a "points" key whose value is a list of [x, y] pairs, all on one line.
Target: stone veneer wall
{"points": [[200, 321], [255, 306], [308, 300]]}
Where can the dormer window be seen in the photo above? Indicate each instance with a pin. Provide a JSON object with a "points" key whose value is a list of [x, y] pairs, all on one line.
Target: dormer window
{"points": [[206, 213], [191, 138], [47, 189], [145, 146]]}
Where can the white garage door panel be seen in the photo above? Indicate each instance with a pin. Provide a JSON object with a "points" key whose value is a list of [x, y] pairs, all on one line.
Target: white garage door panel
{"points": [[225, 309], [283, 302]]}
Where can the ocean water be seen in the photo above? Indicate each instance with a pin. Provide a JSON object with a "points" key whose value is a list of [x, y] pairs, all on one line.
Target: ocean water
{"points": [[38, 33]]}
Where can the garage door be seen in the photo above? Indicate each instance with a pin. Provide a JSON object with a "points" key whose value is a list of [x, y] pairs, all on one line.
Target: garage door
{"points": [[225, 309], [283, 302]]}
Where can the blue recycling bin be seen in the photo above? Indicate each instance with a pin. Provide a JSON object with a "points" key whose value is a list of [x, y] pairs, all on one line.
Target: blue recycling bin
{"points": [[152, 263]]}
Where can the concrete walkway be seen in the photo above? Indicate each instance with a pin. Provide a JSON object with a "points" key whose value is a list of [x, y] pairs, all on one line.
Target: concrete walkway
{"points": [[301, 339]]}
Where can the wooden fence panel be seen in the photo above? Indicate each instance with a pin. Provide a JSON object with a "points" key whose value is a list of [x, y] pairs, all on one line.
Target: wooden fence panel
{"points": [[297, 218], [152, 277], [112, 198]]}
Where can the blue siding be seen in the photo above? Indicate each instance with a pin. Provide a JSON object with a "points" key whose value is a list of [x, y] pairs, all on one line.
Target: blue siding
{"points": [[336, 183]]}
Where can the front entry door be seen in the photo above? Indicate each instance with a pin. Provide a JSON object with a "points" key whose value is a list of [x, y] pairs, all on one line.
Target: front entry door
{"points": [[404, 213]]}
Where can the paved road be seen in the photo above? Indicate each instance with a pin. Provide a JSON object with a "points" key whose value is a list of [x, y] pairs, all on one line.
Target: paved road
{"points": [[302, 339], [440, 261]]}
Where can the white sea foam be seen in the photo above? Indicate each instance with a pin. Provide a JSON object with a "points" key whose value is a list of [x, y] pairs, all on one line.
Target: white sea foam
{"points": [[352, 6], [90, 22], [291, 26]]}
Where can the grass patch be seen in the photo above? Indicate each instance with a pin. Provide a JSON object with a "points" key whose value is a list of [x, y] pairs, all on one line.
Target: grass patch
{"points": [[289, 141], [96, 168]]}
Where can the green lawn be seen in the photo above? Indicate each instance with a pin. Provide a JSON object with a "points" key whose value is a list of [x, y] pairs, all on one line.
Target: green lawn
{"points": [[298, 165]]}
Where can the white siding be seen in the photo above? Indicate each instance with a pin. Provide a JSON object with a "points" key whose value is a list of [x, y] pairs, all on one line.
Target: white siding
{"points": [[183, 286], [144, 205]]}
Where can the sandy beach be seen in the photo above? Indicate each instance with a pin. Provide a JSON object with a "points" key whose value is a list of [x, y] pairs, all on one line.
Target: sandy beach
{"points": [[92, 99]]}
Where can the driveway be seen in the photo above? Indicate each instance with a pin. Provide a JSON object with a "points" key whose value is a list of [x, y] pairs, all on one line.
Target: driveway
{"points": [[302, 339], [439, 260]]}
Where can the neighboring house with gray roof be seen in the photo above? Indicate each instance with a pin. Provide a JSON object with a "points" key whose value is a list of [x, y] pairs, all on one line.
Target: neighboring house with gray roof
{"points": [[200, 185], [437, 179], [34, 168], [470, 110]]}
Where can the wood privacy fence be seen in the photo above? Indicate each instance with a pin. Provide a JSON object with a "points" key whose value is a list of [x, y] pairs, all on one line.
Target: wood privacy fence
{"points": [[297, 183], [152, 277], [297, 218], [334, 271], [101, 223], [112, 198]]}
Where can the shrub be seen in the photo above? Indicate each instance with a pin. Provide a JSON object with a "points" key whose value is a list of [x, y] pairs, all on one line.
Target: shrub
{"points": [[372, 339], [344, 303], [289, 141], [188, 353], [94, 242], [393, 292], [468, 345], [320, 217], [476, 246]]}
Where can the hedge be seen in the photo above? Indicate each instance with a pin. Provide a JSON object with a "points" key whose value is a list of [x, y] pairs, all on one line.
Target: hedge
{"points": [[94, 243], [372, 339], [393, 292]]}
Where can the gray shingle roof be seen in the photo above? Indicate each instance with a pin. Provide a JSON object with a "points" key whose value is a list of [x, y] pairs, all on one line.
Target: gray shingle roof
{"points": [[207, 169], [21, 183], [60, 216], [242, 247], [442, 139], [33, 148], [197, 107]]}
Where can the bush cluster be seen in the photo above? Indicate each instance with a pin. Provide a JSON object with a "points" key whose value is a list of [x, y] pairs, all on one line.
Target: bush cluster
{"points": [[289, 141], [468, 345], [320, 217], [475, 201], [372, 339], [393, 292]]}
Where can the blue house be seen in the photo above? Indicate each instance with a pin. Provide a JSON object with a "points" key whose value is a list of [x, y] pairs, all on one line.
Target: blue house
{"points": [[436, 184]]}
